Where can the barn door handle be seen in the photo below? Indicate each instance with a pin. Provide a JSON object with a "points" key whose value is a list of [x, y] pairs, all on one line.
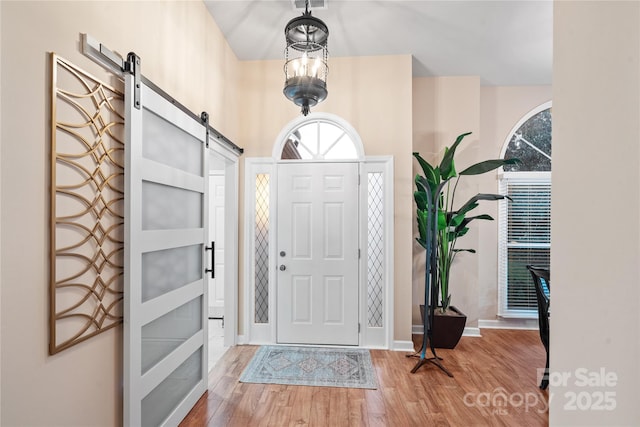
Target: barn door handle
{"points": [[211, 270]]}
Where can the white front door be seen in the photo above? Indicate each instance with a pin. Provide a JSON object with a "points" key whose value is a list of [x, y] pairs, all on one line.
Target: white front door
{"points": [[216, 239], [165, 295], [317, 255]]}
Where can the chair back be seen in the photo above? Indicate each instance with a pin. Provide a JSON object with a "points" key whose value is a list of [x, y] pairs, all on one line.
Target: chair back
{"points": [[542, 283]]}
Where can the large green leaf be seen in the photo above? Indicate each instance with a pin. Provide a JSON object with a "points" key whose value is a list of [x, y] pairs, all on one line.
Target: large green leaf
{"points": [[467, 207], [471, 218], [421, 200], [488, 165], [427, 169], [473, 251], [472, 202], [455, 219], [422, 218], [422, 243], [461, 232], [442, 220], [447, 169]]}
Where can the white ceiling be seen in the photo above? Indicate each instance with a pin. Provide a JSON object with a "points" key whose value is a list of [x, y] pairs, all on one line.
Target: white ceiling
{"points": [[507, 42]]}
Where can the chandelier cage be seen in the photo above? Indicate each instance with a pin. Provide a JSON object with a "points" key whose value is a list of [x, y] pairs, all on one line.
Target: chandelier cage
{"points": [[306, 60]]}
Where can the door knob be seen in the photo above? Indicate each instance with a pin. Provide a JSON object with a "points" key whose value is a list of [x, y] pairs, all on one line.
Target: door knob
{"points": [[282, 253], [283, 267]]}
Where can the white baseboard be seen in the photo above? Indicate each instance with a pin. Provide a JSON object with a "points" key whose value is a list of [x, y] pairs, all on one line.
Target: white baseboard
{"points": [[505, 323], [403, 346], [502, 323], [471, 332], [468, 331]]}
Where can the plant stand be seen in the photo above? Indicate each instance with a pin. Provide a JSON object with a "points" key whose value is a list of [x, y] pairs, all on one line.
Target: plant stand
{"points": [[427, 335], [431, 301], [423, 360], [430, 291]]}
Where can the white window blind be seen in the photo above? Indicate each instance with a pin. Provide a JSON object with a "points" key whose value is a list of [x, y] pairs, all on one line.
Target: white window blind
{"points": [[525, 238]]}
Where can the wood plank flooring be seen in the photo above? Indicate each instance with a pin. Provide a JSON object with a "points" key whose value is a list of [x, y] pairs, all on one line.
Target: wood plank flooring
{"points": [[495, 384]]}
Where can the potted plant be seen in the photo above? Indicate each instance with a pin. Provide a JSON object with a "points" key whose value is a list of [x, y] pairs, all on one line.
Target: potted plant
{"points": [[441, 222]]}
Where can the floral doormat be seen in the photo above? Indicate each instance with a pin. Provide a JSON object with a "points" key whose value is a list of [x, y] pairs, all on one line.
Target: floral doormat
{"points": [[311, 366]]}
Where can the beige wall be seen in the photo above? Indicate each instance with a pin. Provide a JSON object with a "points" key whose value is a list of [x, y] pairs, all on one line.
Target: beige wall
{"points": [[443, 108], [373, 94], [595, 226], [183, 52]]}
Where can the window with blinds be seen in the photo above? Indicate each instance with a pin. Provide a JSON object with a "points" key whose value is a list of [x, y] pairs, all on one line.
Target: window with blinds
{"points": [[525, 238], [525, 219]]}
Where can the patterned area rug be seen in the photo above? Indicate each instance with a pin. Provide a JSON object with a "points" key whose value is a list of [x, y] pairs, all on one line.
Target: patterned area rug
{"points": [[313, 366]]}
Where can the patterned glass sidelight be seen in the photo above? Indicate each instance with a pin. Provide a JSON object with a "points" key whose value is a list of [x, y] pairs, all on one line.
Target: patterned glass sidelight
{"points": [[375, 249], [261, 314]]}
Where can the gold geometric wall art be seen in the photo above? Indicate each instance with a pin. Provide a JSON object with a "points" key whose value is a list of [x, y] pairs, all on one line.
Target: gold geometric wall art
{"points": [[86, 206]]}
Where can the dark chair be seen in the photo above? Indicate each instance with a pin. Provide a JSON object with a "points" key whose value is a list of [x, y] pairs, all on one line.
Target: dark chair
{"points": [[542, 282]]}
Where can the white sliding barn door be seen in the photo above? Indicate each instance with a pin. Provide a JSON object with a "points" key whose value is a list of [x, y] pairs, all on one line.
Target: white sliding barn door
{"points": [[166, 203], [317, 292]]}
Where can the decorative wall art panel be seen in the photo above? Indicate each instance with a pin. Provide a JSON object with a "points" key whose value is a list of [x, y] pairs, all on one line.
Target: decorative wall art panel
{"points": [[87, 205]]}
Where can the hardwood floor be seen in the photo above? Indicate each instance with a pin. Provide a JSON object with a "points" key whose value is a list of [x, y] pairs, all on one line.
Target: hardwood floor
{"points": [[495, 384]]}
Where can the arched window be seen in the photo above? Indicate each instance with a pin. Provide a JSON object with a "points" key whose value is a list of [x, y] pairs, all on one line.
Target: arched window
{"points": [[531, 143], [319, 137], [525, 220]]}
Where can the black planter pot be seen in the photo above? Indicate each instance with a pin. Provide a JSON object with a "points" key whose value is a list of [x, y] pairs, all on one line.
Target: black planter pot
{"points": [[447, 327]]}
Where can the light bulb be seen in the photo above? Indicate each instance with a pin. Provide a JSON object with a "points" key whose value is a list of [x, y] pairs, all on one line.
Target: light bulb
{"points": [[316, 66], [296, 66]]}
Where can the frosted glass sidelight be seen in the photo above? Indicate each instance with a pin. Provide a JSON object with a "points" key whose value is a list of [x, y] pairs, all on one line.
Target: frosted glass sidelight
{"points": [[167, 208], [163, 335], [169, 269], [165, 143], [163, 399]]}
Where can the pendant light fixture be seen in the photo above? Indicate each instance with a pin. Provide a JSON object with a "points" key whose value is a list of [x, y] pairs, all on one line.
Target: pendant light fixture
{"points": [[306, 55]]}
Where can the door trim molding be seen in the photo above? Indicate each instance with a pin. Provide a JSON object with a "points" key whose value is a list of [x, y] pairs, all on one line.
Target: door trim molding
{"points": [[265, 333], [231, 201]]}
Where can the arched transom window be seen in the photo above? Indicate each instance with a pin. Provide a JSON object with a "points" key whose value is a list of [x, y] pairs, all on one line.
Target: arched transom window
{"points": [[320, 138]]}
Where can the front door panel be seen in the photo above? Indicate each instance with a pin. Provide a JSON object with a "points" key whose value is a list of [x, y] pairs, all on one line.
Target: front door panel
{"points": [[317, 294]]}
